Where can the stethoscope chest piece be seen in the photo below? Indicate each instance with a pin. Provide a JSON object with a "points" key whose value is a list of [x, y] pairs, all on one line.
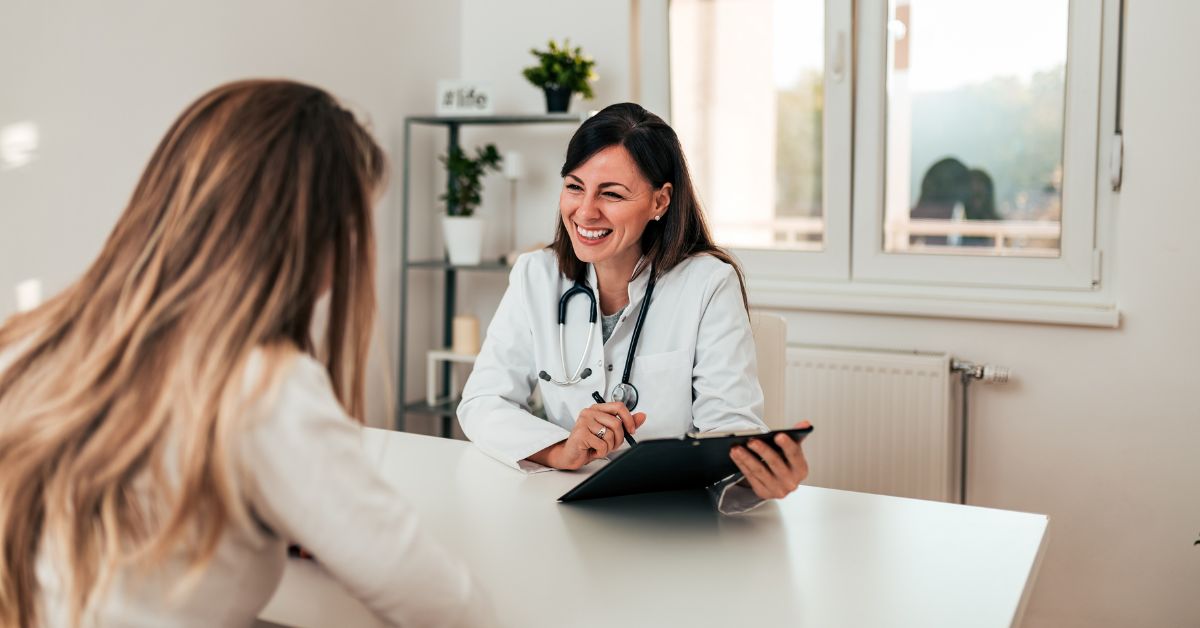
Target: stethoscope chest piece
{"points": [[626, 394]]}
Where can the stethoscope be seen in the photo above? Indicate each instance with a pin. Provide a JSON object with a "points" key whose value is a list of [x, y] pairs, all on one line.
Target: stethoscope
{"points": [[624, 392]]}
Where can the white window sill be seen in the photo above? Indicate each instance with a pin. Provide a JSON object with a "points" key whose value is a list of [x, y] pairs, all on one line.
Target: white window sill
{"points": [[1087, 309]]}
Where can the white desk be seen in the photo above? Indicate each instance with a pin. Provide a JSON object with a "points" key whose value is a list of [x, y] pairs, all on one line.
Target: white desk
{"points": [[820, 558]]}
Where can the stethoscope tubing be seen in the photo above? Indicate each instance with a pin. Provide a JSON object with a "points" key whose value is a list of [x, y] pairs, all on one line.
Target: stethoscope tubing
{"points": [[562, 353], [628, 392], [637, 331]]}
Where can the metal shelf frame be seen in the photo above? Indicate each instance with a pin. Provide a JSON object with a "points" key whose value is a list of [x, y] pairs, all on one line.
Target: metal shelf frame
{"points": [[453, 125]]}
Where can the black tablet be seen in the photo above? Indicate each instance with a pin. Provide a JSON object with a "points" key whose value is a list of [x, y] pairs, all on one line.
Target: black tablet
{"points": [[671, 464]]}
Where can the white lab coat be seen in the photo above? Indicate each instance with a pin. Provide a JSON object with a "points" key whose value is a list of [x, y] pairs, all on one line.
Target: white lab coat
{"points": [[694, 368]]}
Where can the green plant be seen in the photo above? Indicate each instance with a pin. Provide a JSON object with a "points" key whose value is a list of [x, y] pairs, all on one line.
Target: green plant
{"points": [[464, 178], [561, 66]]}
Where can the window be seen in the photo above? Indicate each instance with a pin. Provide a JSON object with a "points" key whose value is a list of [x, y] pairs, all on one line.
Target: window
{"points": [[917, 142], [975, 127], [753, 77], [737, 94]]}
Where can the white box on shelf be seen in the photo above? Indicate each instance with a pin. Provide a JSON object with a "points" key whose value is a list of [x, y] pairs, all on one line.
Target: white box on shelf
{"points": [[464, 98], [431, 379]]}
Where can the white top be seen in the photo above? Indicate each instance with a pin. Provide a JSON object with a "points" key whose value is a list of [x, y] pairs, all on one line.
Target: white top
{"points": [[307, 480], [817, 558], [694, 368]]}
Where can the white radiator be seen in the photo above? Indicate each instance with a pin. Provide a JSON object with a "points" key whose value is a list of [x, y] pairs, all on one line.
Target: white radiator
{"points": [[883, 420]]}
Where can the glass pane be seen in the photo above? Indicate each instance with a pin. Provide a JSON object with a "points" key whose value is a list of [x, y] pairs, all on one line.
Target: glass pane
{"points": [[975, 127], [747, 102]]}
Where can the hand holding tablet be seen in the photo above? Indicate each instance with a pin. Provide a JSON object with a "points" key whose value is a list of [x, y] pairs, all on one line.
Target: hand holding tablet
{"points": [[694, 462], [772, 467]]}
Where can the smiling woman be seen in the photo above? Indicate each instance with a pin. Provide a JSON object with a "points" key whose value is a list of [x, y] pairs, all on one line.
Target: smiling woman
{"points": [[606, 206], [635, 172], [631, 235]]}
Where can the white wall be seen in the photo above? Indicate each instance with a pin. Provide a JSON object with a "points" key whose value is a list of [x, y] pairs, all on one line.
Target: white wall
{"points": [[1101, 428], [499, 54], [103, 81]]}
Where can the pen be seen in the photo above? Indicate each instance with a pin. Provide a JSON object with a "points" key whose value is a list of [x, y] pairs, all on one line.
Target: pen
{"points": [[628, 438]]}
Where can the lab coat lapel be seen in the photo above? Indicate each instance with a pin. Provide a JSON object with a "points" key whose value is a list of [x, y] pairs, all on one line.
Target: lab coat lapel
{"points": [[637, 290]]}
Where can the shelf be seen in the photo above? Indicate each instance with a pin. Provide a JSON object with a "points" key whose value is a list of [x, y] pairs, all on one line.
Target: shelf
{"points": [[433, 264], [544, 118], [448, 355], [445, 386], [444, 409]]}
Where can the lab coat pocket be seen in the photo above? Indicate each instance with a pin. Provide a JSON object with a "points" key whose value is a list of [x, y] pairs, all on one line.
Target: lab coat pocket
{"points": [[671, 360], [664, 382]]}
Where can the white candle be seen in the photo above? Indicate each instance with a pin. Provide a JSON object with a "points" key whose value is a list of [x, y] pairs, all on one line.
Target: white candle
{"points": [[513, 168], [466, 335]]}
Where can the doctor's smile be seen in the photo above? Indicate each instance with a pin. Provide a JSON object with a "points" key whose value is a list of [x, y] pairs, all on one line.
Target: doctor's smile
{"points": [[606, 201], [592, 236]]}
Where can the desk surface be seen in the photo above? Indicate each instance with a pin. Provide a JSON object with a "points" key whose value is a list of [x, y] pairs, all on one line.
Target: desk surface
{"points": [[820, 557]]}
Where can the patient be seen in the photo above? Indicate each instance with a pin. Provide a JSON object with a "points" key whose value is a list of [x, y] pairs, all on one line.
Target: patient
{"points": [[168, 421]]}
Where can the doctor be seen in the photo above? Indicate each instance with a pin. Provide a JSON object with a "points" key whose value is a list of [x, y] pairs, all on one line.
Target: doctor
{"points": [[632, 303]]}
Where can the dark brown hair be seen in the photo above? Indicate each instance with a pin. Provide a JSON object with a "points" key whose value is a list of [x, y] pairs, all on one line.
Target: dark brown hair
{"points": [[654, 147]]}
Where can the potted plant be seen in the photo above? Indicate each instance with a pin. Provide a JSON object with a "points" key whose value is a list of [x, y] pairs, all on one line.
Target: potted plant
{"points": [[560, 72], [463, 230]]}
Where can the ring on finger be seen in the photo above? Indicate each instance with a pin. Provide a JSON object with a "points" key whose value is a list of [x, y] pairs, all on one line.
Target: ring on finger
{"points": [[601, 432]]}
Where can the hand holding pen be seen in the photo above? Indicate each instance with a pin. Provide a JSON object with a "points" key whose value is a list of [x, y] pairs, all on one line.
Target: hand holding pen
{"points": [[597, 431], [622, 413]]}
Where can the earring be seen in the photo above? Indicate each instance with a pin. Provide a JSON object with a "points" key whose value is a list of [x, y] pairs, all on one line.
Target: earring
{"points": [[657, 217]]}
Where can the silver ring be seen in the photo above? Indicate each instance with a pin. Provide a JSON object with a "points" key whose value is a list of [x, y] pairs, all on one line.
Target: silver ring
{"points": [[602, 432]]}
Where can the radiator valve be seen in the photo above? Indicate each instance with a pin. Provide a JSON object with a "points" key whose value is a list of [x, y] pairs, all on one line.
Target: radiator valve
{"points": [[984, 372]]}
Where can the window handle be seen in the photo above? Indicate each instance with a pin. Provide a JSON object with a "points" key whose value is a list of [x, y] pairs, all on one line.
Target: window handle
{"points": [[839, 57]]}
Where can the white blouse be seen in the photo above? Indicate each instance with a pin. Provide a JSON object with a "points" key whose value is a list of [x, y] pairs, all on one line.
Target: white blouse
{"points": [[306, 479]]}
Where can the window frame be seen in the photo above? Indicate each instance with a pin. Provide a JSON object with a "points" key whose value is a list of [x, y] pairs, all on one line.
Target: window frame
{"points": [[832, 261], [1089, 301], [1074, 268]]}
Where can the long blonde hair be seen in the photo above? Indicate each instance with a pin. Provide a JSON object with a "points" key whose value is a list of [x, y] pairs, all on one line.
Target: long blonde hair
{"points": [[257, 198]]}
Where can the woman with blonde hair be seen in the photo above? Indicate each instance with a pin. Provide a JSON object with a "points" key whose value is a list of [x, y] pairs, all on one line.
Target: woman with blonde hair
{"points": [[165, 423]]}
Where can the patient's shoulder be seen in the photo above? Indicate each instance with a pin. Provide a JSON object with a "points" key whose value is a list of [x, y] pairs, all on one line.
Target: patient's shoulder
{"points": [[281, 382]]}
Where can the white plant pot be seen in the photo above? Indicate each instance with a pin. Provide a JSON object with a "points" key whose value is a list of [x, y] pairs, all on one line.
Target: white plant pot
{"points": [[464, 239]]}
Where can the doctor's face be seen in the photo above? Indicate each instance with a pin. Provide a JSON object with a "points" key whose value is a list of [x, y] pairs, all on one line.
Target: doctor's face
{"points": [[606, 204]]}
